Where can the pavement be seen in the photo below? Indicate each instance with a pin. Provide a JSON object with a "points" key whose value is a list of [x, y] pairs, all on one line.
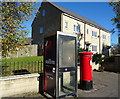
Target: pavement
{"points": [[105, 84]]}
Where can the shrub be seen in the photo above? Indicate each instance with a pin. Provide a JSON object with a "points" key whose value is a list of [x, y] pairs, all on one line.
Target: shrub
{"points": [[97, 58], [82, 50]]}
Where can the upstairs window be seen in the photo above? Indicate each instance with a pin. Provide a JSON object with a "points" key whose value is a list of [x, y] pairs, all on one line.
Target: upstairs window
{"points": [[94, 34], [74, 27], [41, 29], [94, 48], [77, 28], [66, 24], [104, 37], [87, 31], [43, 12]]}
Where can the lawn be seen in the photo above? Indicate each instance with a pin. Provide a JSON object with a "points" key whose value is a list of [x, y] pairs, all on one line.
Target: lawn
{"points": [[24, 59], [22, 65]]}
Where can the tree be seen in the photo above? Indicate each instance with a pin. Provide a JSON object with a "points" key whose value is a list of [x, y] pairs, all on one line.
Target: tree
{"points": [[116, 9], [13, 34], [115, 49], [116, 19]]}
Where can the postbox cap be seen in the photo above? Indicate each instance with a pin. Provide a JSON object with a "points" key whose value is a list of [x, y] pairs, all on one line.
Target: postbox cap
{"points": [[85, 53]]}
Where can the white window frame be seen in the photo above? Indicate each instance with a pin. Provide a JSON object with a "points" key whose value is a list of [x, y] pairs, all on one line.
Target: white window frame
{"points": [[104, 37], [95, 36], [87, 31], [43, 12], [41, 29], [92, 48], [66, 24], [76, 29]]}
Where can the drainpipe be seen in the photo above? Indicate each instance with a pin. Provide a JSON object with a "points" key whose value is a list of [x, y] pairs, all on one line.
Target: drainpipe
{"points": [[99, 41], [84, 33]]}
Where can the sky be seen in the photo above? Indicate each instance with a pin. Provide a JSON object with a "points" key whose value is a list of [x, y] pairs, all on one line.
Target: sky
{"points": [[99, 12]]}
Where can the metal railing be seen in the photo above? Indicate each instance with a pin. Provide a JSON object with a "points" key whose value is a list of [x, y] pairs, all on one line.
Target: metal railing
{"points": [[20, 68]]}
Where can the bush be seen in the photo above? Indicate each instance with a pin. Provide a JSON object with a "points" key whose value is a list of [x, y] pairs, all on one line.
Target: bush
{"points": [[82, 50], [97, 58]]}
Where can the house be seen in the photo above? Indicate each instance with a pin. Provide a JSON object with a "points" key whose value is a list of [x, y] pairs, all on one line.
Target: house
{"points": [[52, 18]]}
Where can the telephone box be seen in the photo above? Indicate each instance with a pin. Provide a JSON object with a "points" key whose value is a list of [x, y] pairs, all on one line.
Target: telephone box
{"points": [[86, 70], [60, 68]]}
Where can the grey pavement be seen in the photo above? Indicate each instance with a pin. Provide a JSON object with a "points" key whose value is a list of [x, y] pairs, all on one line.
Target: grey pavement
{"points": [[105, 84]]}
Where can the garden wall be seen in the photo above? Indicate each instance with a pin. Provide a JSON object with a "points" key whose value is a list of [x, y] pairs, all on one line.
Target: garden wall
{"points": [[113, 66], [13, 85], [19, 84], [30, 50]]}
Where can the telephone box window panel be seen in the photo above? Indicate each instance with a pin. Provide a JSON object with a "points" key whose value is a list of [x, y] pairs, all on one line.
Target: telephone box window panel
{"points": [[66, 51]]}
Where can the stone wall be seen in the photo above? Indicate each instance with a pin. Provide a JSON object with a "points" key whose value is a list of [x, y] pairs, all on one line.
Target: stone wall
{"points": [[19, 84], [29, 50]]}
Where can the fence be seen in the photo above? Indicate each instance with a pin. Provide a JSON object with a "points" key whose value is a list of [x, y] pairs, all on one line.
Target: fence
{"points": [[20, 68]]}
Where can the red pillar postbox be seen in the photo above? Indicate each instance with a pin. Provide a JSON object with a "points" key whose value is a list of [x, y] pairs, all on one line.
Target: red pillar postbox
{"points": [[86, 70]]}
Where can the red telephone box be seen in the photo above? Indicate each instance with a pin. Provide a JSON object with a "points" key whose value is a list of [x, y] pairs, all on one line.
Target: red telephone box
{"points": [[60, 67], [86, 70]]}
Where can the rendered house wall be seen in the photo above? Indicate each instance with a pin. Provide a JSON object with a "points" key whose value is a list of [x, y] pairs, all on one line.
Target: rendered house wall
{"points": [[87, 34]]}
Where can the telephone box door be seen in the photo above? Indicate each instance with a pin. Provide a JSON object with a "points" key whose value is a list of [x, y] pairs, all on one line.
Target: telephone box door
{"points": [[67, 70]]}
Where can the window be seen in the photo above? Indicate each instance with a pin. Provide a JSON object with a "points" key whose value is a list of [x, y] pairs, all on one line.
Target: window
{"points": [[66, 24], [74, 27], [104, 37], [41, 29], [87, 31], [43, 12], [77, 28], [94, 34], [94, 48]]}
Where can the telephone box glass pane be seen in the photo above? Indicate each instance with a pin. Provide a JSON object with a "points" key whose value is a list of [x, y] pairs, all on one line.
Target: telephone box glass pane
{"points": [[66, 51], [66, 82]]}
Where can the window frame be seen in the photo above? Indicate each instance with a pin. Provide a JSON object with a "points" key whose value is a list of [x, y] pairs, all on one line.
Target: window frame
{"points": [[76, 28], [41, 30], [43, 12], [103, 36], [94, 45], [66, 24], [87, 31], [95, 36]]}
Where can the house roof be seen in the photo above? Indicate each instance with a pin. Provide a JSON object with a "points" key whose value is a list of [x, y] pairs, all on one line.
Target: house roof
{"points": [[85, 20]]}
